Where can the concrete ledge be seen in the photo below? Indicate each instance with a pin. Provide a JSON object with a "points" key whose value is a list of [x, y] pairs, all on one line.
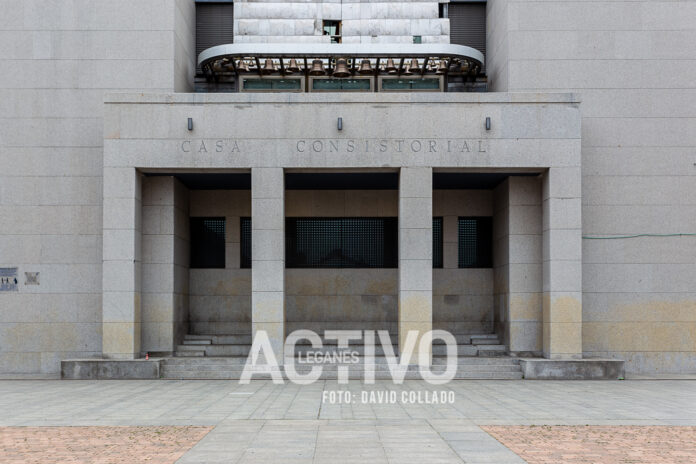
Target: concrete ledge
{"points": [[342, 97], [109, 369], [572, 369]]}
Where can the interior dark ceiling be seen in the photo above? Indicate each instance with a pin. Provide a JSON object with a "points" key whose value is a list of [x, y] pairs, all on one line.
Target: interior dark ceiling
{"points": [[342, 180]]}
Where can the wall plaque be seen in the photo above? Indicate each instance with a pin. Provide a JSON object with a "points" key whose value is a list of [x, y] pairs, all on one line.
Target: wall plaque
{"points": [[8, 279], [31, 278]]}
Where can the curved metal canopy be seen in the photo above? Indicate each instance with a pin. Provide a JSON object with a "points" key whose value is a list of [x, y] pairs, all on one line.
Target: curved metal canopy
{"points": [[224, 59]]}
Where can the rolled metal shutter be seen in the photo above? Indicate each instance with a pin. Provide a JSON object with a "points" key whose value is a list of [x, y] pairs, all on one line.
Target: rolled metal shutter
{"points": [[468, 25], [214, 26]]}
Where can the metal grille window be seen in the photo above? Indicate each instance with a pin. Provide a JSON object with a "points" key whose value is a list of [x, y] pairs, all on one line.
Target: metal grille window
{"points": [[207, 242], [437, 242], [214, 26], [468, 24], [245, 243], [475, 242], [341, 242], [332, 28]]}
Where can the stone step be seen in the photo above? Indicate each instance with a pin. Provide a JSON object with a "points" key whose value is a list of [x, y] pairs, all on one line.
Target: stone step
{"points": [[487, 348], [441, 350], [328, 375], [483, 336], [462, 350], [483, 358], [326, 350], [197, 342], [232, 339], [354, 367], [216, 350], [190, 348], [351, 368], [469, 360], [490, 353], [241, 339], [462, 339], [221, 375], [190, 354]]}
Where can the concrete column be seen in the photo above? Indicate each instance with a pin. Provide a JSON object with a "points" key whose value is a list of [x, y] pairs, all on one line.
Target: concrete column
{"points": [[165, 263], [562, 254], [501, 260], [450, 242], [268, 255], [524, 266], [415, 252], [121, 266]]}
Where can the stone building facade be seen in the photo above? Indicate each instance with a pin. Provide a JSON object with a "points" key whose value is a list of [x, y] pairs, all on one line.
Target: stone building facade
{"points": [[585, 168]]}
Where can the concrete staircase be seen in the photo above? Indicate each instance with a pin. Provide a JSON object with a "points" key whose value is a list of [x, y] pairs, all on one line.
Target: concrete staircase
{"points": [[497, 368], [482, 345], [196, 346], [480, 356]]}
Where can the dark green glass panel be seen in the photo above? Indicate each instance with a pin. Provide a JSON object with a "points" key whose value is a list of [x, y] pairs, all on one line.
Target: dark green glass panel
{"points": [[271, 84], [475, 242], [340, 84], [245, 242], [437, 242], [411, 84], [257, 84], [341, 242], [207, 242]]}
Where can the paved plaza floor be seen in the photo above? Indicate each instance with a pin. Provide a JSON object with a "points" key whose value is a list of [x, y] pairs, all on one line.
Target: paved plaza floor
{"points": [[266, 423]]}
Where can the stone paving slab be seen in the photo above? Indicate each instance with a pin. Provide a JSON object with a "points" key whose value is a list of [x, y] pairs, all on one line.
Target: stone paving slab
{"points": [[599, 444], [263, 422]]}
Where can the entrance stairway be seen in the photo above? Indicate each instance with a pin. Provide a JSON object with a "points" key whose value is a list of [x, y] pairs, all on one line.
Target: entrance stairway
{"points": [[196, 346], [480, 356]]}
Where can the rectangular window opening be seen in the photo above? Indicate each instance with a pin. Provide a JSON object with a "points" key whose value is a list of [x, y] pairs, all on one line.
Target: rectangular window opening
{"points": [[270, 85], [406, 84], [245, 243], [356, 85], [207, 242], [214, 26], [475, 242], [437, 243], [354, 242], [332, 28], [468, 25]]}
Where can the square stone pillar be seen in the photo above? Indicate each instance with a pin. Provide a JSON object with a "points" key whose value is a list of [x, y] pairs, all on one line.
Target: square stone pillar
{"points": [[562, 255], [415, 252], [121, 266], [268, 256], [525, 268], [165, 264]]}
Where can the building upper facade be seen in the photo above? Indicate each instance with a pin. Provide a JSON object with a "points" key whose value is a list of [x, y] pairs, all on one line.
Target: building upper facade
{"points": [[337, 46], [631, 63], [348, 21]]}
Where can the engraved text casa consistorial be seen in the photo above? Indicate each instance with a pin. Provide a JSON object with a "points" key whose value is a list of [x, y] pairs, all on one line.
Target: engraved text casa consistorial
{"points": [[345, 146]]}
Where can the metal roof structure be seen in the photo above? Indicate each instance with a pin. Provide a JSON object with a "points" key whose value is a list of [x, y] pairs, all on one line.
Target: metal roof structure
{"points": [[229, 60]]}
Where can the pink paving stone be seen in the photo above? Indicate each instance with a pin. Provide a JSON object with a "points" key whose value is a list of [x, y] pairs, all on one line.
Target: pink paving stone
{"points": [[101, 445], [599, 444]]}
